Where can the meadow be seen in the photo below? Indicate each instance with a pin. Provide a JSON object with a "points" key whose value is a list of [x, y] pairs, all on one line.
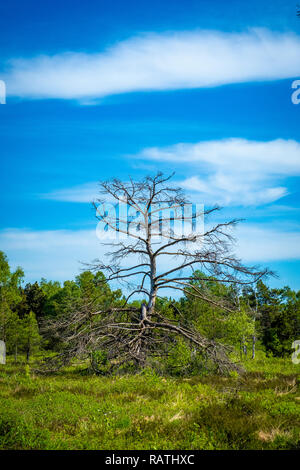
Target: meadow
{"points": [[74, 410]]}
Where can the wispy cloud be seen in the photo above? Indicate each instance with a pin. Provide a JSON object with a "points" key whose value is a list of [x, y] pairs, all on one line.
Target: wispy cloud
{"points": [[234, 171], [259, 243], [54, 254], [87, 192], [57, 254], [158, 62], [229, 172]]}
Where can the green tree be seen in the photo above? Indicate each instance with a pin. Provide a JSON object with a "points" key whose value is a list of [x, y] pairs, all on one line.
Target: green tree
{"points": [[10, 283], [14, 334], [279, 318], [217, 320], [30, 338], [33, 299], [93, 287]]}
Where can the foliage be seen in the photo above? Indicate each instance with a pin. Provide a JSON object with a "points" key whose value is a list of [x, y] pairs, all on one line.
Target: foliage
{"points": [[30, 338], [278, 319], [23, 335], [99, 362], [177, 401], [69, 411], [9, 294], [262, 316], [228, 325], [33, 300]]}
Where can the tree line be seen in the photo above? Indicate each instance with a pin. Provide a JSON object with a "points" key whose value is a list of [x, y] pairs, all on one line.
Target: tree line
{"points": [[266, 316]]}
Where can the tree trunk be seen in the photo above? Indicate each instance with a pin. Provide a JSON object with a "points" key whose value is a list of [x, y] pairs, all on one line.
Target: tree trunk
{"points": [[253, 346], [243, 348], [28, 352], [153, 287]]}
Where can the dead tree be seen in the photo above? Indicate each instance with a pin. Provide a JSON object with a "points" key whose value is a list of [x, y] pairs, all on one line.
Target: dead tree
{"points": [[157, 247]]}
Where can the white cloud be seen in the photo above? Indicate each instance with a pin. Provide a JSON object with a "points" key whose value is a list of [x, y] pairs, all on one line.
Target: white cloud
{"points": [[228, 172], [234, 171], [158, 62], [231, 189]]}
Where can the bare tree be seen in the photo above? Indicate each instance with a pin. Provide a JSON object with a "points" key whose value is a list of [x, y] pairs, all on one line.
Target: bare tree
{"points": [[157, 249]]}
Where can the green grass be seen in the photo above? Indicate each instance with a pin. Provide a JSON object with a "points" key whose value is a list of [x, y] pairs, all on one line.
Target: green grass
{"points": [[69, 410]]}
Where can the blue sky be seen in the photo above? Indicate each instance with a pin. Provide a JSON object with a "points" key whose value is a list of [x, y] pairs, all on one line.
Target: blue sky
{"points": [[103, 89]]}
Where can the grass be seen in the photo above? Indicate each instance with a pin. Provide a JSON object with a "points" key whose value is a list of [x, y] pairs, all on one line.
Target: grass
{"points": [[69, 410]]}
